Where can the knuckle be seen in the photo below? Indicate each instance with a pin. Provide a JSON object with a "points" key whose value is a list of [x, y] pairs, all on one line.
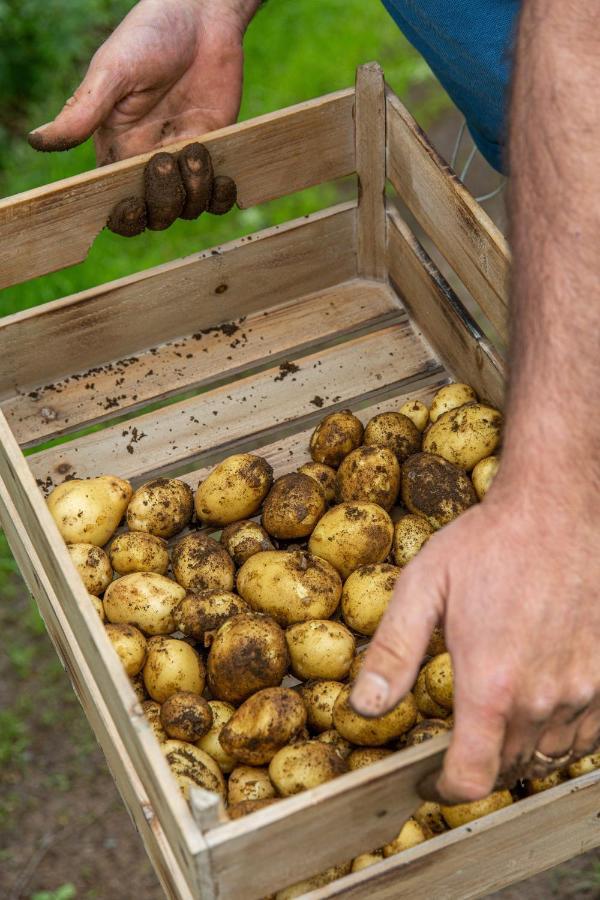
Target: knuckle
{"points": [[386, 649], [541, 706]]}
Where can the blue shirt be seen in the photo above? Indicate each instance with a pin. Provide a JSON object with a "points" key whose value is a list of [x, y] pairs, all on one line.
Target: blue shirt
{"points": [[468, 45]]}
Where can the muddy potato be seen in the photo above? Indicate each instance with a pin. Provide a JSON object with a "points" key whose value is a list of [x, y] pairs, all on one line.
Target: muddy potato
{"points": [[410, 533], [320, 649], [372, 732], [262, 725], [93, 566], [298, 767], [143, 599], [451, 396], [249, 783], [139, 551], [202, 613], [151, 711], [192, 766], [430, 818], [364, 860], [186, 716], [395, 431], [221, 714], [426, 705], [411, 834], [437, 642], [323, 475], [439, 680], [483, 475], [311, 884], [335, 437], [584, 765], [461, 813], [371, 474], [290, 585], [98, 606], [245, 807], [366, 595], [436, 489], [538, 785], [139, 688], [357, 664], [201, 564], [366, 756], [243, 539], [351, 535], [89, 511], [319, 697], [130, 646], [172, 666], [466, 435], [293, 506], [334, 739], [249, 652], [234, 490], [426, 730], [417, 412], [161, 507]]}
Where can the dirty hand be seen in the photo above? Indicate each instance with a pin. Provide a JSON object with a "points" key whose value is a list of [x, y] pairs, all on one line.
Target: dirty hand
{"points": [[515, 582], [172, 69]]}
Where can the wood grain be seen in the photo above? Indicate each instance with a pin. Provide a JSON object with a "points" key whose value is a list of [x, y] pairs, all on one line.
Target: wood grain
{"points": [[370, 119]]}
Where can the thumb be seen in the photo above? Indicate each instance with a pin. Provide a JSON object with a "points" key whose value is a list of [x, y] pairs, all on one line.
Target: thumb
{"points": [[396, 652]]}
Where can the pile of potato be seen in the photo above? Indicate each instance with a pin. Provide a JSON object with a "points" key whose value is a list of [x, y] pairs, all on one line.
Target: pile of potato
{"points": [[209, 625]]}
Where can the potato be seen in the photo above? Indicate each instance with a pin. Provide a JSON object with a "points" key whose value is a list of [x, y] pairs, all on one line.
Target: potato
{"points": [[372, 732], [396, 431], [425, 702], [262, 725], [437, 643], [439, 680], [366, 595], [366, 756], [293, 506], [172, 666], [138, 551], [249, 652], [426, 730], [537, 785], [351, 535], [451, 396], [139, 688], [161, 507], [89, 512], [436, 489], [152, 712], [409, 836], [357, 664], [299, 767], [364, 860], [319, 697], [130, 646], [93, 566], [335, 437], [245, 807], [320, 649], [243, 539], [234, 490], [221, 713], [186, 716], [290, 585], [98, 606], [466, 435], [483, 474], [461, 813], [335, 740], [311, 884], [202, 613], [410, 533], [249, 783], [584, 765], [417, 412], [192, 766], [143, 599], [371, 474], [201, 564], [430, 818], [323, 475]]}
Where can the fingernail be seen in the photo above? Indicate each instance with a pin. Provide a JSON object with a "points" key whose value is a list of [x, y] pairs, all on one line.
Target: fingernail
{"points": [[370, 694]]}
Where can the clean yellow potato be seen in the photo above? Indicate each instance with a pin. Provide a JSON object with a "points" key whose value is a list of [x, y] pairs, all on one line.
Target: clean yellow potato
{"points": [[451, 396], [320, 649], [249, 783], [200, 614], [366, 859], [139, 551], [234, 490], [311, 884], [334, 739], [584, 765], [98, 606], [299, 767], [243, 539], [210, 743], [186, 716], [351, 535], [396, 431], [439, 680], [537, 785], [201, 564], [372, 732], [262, 725], [417, 412], [172, 666], [425, 730], [161, 507], [411, 834], [323, 475], [152, 712], [426, 705], [130, 646], [371, 474], [366, 595], [293, 506], [462, 813], [89, 512], [335, 437], [143, 599], [366, 756], [290, 585], [430, 818], [410, 533], [93, 566], [249, 652], [319, 697], [466, 435], [436, 489], [483, 474], [192, 766]]}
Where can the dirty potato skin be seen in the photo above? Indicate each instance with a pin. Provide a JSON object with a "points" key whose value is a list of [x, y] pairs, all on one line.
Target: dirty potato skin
{"points": [[249, 783], [436, 489], [151, 711], [234, 490], [364, 860], [395, 431], [143, 599], [172, 666], [425, 702], [439, 680], [202, 564], [410, 533], [299, 767], [310, 884], [466, 435], [357, 664], [371, 474], [130, 645], [323, 475], [98, 606], [333, 738], [319, 697], [293, 506], [351, 535], [461, 813], [437, 642], [93, 566], [221, 714], [320, 648], [263, 724], [366, 595], [376, 731], [335, 437], [202, 613], [192, 766], [451, 396], [426, 730], [162, 507], [243, 539], [89, 511], [366, 756], [430, 818], [138, 551], [186, 716], [245, 807], [249, 652]]}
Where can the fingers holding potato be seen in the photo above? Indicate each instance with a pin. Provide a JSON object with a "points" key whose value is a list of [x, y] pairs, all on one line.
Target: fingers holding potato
{"points": [[161, 507], [234, 490]]}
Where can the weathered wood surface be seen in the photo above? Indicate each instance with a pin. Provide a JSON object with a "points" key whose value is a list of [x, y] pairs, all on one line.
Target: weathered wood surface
{"points": [[370, 119]]}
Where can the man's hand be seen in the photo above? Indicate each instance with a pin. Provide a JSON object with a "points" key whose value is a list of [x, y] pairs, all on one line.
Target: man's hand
{"points": [[172, 69]]}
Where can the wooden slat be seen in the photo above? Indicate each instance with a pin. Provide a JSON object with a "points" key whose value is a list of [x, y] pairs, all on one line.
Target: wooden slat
{"points": [[286, 151], [370, 119], [490, 853], [302, 835], [440, 315], [116, 321], [260, 405], [461, 230]]}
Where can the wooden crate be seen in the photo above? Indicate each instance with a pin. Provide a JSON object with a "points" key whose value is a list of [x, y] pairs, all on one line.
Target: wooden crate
{"points": [[353, 301]]}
